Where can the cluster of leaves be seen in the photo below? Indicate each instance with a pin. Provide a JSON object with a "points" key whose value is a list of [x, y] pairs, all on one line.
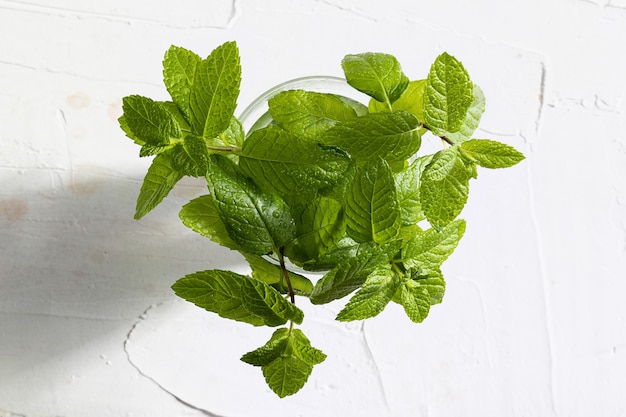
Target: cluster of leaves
{"points": [[331, 184]]}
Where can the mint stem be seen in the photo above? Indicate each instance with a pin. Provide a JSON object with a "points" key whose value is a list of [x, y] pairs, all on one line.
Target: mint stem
{"points": [[283, 268], [443, 138]]}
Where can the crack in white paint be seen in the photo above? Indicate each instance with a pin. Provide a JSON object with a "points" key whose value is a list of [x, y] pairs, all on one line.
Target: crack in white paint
{"points": [[30, 7], [141, 318], [350, 10], [370, 355], [55, 71], [545, 285]]}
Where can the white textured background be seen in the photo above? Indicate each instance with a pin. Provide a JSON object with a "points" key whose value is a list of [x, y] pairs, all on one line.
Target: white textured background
{"points": [[533, 322]]}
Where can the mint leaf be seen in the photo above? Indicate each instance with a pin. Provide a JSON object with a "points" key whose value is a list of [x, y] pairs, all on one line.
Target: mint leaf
{"points": [[197, 150], [371, 205], [351, 272], [411, 100], [445, 187], [472, 119], [428, 250], [237, 297], [179, 68], [373, 296], [283, 163], [491, 154], [273, 275], [308, 114], [258, 222], [447, 96], [286, 360], [201, 216], [233, 136], [419, 292], [149, 121], [392, 136], [214, 92], [407, 190], [320, 226], [375, 74], [158, 182], [346, 247]]}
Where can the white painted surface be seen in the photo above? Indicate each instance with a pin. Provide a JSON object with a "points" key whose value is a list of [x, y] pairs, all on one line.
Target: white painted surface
{"points": [[533, 322]]}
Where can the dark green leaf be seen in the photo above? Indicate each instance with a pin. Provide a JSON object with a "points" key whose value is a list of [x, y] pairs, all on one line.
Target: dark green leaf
{"points": [[197, 150], [149, 121], [352, 272], [258, 222], [237, 297], [320, 226]]}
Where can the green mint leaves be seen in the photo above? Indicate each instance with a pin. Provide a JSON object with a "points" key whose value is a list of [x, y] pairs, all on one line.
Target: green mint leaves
{"points": [[321, 183], [286, 360], [448, 95], [237, 297]]}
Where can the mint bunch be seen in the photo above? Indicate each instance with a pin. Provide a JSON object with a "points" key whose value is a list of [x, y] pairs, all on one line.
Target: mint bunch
{"points": [[330, 185]]}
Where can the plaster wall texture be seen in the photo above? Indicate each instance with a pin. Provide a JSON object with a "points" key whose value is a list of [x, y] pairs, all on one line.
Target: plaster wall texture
{"points": [[533, 321]]}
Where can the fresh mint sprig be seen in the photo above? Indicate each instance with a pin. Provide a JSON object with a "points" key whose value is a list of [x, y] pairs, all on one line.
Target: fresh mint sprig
{"points": [[330, 185]]}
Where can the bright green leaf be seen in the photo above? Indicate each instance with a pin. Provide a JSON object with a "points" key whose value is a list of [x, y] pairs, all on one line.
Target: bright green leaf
{"points": [[392, 136], [472, 119], [371, 206], [201, 216], [237, 297], [179, 67], [428, 250], [373, 296], [286, 360], [418, 293], [491, 154], [445, 187], [308, 114], [283, 163], [407, 189], [158, 182], [375, 74], [214, 92], [411, 100], [447, 96], [272, 274]]}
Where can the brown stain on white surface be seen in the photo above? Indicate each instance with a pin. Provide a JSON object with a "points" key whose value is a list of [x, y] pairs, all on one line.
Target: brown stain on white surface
{"points": [[13, 209], [78, 100]]}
